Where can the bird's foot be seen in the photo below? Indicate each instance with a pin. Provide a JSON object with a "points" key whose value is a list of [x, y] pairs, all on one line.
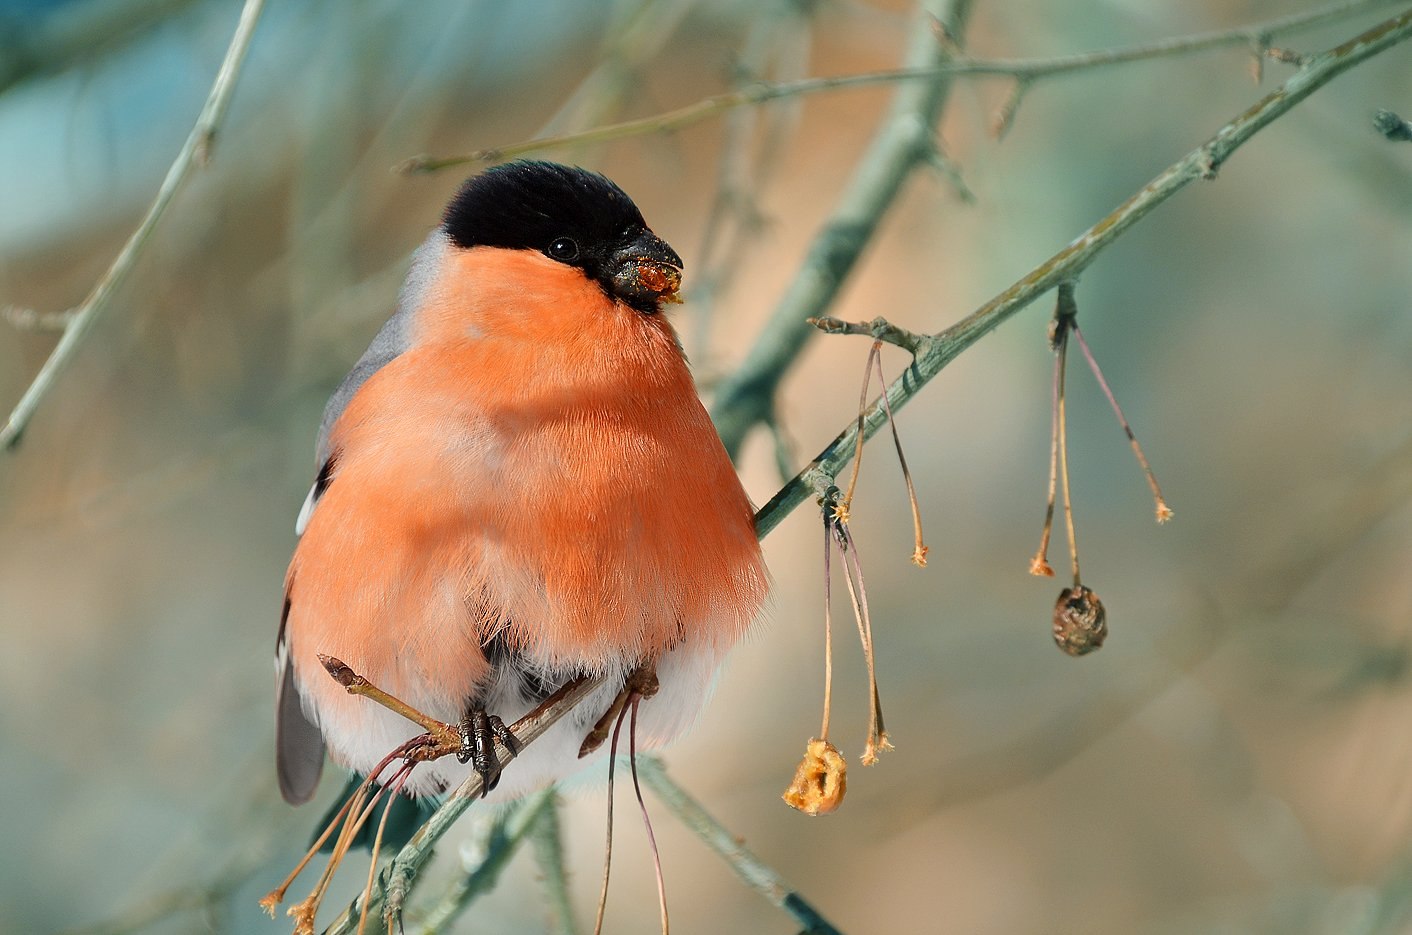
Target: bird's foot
{"points": [[479, 731], [642, 683]]}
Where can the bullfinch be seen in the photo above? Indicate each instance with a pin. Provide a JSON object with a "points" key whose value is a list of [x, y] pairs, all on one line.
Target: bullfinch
{"points": [[517, 485]]}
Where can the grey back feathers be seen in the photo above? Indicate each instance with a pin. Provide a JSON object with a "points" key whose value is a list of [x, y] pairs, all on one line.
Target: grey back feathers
{"points": [[391, 340]]}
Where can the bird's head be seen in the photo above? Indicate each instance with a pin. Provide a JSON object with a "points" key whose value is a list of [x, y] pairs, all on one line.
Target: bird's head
{"points": [[572, 217]]}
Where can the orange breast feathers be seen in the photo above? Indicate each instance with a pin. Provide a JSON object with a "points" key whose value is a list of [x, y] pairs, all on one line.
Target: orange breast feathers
{"points": [[536, 466]]}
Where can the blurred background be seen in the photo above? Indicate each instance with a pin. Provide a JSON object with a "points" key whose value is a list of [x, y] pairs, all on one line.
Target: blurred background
{"points": [[1238, 758]]}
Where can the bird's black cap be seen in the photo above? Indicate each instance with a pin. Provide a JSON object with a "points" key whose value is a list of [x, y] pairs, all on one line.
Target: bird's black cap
{"points": [[572, 215]]}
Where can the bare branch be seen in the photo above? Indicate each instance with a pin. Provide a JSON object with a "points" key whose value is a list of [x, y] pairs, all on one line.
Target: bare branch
{"points": [[1025, 70], [902, 143], [194, 152], [1202, 162]]}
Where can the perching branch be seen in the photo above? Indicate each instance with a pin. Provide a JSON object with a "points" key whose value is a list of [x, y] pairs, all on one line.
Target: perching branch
{"points": [[1024, 71], [393, 884], [196, 151], [935, 352]]}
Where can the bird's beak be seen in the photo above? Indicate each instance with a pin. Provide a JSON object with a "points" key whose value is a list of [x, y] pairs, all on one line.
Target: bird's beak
{"points": [[646, 273]]}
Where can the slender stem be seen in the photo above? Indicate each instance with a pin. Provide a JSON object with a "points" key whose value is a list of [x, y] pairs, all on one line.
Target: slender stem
{"points": [[1062, 355], [756, 874], [828, 624], [647, 818], [847, 501], [1164, 512], [356, 684], [196, 151], [1201, 163], [608, 843], [919, 546]]}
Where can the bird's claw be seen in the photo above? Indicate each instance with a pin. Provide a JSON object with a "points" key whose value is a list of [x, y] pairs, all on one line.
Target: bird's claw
{"points": [[479, 731]]}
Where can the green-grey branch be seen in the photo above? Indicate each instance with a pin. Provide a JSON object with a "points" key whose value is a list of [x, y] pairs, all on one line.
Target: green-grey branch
{"points": [[934, 352]]}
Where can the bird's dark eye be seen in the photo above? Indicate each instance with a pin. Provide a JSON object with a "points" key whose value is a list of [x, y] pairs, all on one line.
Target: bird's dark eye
{"points": [[563, 249]]}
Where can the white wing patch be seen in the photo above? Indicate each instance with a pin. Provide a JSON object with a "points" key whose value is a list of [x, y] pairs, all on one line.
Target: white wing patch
{"points": [[306, 511]]}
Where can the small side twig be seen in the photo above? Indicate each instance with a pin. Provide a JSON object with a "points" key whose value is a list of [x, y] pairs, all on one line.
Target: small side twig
{"points": [[879, 329], [30, 319]]}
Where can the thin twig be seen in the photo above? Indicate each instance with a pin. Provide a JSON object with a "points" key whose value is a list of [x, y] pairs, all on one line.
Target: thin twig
{"points": [[1026, 70], [195, 152], [1201, 163], [29, 319], [757, 875], [879, 329]]}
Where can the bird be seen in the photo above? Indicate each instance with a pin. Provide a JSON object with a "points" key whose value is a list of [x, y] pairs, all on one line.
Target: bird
{"points": [[516, 485]]}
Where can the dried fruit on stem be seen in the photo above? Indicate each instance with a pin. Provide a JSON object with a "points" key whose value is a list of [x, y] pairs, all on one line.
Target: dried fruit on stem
{"points": [[820, 780], [1080, 622]]}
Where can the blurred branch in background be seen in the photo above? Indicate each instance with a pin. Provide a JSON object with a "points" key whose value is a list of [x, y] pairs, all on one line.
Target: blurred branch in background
{"points": [[195, 152], [777, 45], [905, 141], [1025, 71]]}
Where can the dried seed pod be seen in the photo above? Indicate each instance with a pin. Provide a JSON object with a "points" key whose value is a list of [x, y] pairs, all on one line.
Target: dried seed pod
{"points": [[1080, 622], [819, 781]]}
